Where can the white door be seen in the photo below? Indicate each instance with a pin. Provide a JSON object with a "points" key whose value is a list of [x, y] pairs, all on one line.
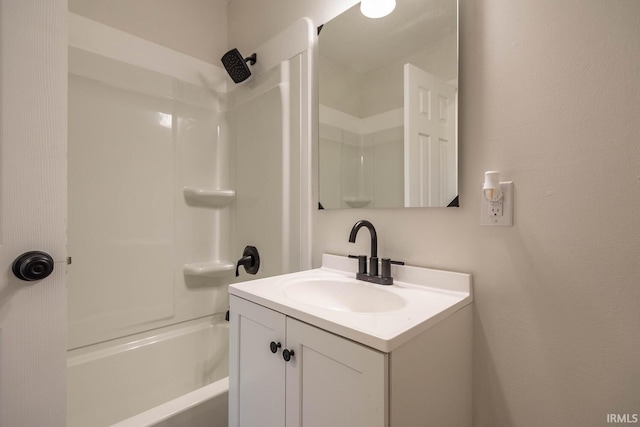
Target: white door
{"points": [[332, 381], [430, 165], [33, 111]]}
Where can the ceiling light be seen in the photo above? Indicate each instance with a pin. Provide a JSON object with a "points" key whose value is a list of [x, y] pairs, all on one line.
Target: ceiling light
{"points": [[377, 8]]}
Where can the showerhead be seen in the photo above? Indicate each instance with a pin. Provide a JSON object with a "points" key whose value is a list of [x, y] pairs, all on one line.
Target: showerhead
{"points": [[237, 66]]}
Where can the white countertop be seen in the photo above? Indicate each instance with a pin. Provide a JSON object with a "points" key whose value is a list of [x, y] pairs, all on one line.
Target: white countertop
{"points": [[429, 297]]}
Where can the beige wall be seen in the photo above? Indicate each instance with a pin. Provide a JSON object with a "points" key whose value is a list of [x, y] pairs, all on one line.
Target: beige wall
{"points": [[550, 95], [194, 27]]}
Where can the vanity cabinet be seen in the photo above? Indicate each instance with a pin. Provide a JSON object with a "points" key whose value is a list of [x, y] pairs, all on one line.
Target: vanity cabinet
{"points": [[334, 381], [328, 381], [364, 355]]}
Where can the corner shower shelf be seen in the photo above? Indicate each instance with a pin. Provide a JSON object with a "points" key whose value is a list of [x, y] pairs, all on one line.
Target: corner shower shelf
{"points": [[209, 269], [206, 197], [357, 201]]}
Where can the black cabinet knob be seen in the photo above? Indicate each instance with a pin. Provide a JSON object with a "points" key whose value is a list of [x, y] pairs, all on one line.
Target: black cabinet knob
{"points": [[287, 354], [34, 265], [274, 346]]}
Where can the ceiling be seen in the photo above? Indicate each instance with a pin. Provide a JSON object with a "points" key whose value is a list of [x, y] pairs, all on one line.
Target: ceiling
{"points": [[364, 44]]}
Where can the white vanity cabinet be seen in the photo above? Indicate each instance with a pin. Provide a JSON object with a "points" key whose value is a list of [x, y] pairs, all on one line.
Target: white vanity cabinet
{"points": [[364, 355], [329, 380]]}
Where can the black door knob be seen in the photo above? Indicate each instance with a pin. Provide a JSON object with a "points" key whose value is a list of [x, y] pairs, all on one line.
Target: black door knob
{"points": [[274, 346], [34, 265], [287, 355]]}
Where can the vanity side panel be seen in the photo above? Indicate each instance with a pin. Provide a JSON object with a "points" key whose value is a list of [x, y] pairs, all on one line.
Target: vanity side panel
{"points": [[430, 376]]}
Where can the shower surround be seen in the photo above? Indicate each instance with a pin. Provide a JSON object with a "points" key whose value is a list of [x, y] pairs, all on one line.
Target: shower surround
{"points": [[171, 174]]}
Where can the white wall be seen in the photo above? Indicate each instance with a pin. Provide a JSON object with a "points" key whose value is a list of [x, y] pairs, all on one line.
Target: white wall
{"points": [[195, 27], [550, 96]]}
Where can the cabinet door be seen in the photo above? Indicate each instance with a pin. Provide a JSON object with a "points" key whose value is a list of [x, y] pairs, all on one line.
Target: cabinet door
{"points": [[332, 381], [256, 375]]}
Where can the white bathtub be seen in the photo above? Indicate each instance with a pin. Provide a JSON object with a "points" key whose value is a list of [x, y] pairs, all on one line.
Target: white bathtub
{"points": [[205, 407], [178, 371]]}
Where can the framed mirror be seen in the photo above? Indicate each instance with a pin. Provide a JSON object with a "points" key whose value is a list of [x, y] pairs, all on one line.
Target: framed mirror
{"points": [[388, 107]]}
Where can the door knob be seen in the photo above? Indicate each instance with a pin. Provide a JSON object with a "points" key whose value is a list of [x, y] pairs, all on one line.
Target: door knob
{"points": [[34, 265]]}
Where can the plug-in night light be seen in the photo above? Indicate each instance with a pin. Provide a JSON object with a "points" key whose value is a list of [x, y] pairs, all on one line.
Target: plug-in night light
{"points": [[491, 188]]}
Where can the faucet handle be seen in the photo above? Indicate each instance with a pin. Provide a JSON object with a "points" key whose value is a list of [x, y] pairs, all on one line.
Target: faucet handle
{"points": [[250, 261], [373, 266], [385, 272], [362, 263]]}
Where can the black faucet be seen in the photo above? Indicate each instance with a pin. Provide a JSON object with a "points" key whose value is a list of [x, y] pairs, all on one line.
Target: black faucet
{"points": [[373, 261], [385, 278]]}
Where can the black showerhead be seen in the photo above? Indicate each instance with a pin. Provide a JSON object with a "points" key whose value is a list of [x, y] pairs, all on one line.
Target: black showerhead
{"points": [[237, 66]]}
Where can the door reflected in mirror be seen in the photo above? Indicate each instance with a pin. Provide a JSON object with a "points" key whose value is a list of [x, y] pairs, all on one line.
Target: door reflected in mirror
{"points": [[388, 108]]}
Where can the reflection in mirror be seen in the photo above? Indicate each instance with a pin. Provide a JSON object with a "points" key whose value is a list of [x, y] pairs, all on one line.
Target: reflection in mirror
{"points": [[388, 107]]}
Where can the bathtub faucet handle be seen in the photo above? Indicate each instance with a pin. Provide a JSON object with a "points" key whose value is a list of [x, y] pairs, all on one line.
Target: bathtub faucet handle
{"points": [[250, 261]]}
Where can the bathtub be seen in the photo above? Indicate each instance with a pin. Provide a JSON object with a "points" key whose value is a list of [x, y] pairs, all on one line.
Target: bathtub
{"points": [[160, 377], [205, 407]]}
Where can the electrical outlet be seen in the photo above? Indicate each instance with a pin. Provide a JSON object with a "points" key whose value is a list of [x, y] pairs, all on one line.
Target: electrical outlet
{"points": [[495, 208], [500, 212]]}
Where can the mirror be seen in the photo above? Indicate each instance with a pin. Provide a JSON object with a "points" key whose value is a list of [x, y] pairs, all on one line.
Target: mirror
{"points": [[388, 107]]}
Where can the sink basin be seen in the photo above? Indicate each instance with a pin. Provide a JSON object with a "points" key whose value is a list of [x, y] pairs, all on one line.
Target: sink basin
{"points": [[343, 295], [381, 317]]}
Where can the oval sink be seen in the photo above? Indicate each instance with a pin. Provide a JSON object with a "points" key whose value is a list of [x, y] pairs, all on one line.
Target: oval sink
{"points": [[349, 296]]}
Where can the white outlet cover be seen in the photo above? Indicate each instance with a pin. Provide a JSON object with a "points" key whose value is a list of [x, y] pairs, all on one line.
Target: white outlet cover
{"points": [[507, 207]]}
